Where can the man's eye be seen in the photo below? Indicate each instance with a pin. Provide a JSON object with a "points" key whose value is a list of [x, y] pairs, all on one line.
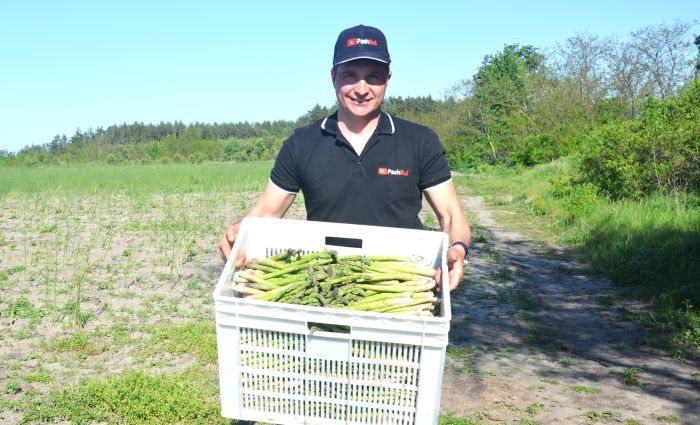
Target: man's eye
{"points": [[376, 79]]}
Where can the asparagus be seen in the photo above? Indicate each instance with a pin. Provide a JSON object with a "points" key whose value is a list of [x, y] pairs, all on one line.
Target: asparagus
{"points": [[387, 283]]}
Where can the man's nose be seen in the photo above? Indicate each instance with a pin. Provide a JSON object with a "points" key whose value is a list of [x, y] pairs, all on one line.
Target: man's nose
{"points": [[361, 86]]}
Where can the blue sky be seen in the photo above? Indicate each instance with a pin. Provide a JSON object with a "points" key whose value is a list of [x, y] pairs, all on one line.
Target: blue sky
{"points": [[84, 64]]}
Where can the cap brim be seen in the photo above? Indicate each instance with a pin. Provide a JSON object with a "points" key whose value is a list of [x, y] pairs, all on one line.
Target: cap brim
{"points": [[360, 57]]}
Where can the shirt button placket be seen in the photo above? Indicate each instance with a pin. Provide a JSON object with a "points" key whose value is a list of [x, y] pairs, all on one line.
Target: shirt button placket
{"points": [[357, 170]]}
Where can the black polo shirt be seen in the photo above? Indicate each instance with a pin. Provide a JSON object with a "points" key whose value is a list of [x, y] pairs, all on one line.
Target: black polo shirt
{"points": [[382, 186]]}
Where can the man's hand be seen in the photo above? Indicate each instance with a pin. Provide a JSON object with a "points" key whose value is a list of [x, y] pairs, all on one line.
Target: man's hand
{"points": [[455, 265], [226, 243], [455, 268]]}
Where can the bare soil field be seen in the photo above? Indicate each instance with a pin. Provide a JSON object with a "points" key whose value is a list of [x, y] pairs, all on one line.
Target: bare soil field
{"points": [[94, 285]]}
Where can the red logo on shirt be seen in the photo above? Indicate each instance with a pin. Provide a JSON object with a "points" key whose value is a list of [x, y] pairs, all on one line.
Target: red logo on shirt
{"points": [[382, 171]]}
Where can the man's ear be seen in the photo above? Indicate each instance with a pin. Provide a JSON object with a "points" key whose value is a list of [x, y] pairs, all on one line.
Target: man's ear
{"points": [[333, 72]]}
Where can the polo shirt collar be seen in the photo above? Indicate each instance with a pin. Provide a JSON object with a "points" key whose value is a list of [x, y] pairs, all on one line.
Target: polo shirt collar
{"points": [[385, 126]]}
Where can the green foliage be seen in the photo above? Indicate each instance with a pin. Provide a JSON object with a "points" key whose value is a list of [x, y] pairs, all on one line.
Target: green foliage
{"points": [[23, 308], [41, 376], [12, 387], [450, 419], [545, 147], [79, 342], [576, 200], [659, 151], [250, 150], [653, 244], [131, 397], [584, 389], [630, 376], [192, 338]]}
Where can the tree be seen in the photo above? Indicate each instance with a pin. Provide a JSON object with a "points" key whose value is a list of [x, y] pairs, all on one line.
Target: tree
{"points": [[665, 53], [316, 113], [502, 93], [582, 61], [628, 82]]}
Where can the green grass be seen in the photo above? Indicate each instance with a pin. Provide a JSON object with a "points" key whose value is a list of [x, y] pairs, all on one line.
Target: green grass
{"points": [[154, 178], [131, 397], [454, 420], [80, 342], [652, 244], [630, 376], [584, 389], [198, 339], [594, 416], [23, 308]]}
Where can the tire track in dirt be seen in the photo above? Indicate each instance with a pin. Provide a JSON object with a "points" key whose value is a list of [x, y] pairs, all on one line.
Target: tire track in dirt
{"points": [[535, 336]]}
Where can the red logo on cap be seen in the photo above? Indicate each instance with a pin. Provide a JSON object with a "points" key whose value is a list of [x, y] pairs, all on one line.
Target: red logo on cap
{"points": [[383, 171], [355, 41]]}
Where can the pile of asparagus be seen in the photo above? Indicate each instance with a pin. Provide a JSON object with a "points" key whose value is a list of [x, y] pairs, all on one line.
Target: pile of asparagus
{"points": [[390, 284]]}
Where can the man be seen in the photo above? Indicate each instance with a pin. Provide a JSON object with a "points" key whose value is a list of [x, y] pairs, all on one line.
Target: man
{"points": [[361, 165]]}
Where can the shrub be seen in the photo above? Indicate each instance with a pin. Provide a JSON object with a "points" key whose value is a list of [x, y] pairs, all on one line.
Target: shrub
{"points": [[661, 150]]}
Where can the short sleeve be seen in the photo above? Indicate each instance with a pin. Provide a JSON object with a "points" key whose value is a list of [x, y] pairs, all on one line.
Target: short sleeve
{"points": [[285, 174], [433, 166]]}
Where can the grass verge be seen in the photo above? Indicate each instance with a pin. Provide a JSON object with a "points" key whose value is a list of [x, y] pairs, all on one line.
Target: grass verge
{"points": [[652, 244]]}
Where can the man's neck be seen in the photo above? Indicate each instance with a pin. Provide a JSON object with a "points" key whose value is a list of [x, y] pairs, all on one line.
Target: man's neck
{"points": [[357, 130]]}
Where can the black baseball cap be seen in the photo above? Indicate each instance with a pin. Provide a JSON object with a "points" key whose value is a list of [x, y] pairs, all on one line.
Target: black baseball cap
{"points": [[361, 42]]}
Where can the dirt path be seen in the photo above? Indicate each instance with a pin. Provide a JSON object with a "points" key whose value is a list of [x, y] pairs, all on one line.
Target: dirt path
{"points": [[536, 338]]}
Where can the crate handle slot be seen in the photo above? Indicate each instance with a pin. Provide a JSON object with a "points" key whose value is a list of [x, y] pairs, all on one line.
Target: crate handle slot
{"points": [[346, 242]]}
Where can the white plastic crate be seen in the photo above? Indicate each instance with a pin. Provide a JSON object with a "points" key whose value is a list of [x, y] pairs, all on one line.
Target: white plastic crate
{"points": [[273, 367]]}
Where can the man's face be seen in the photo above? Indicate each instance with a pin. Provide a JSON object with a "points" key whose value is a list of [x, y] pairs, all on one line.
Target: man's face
{"points": [[360, 86]]}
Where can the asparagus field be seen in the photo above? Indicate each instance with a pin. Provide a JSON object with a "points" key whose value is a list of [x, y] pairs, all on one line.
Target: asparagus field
{"points": [[107, 313]]}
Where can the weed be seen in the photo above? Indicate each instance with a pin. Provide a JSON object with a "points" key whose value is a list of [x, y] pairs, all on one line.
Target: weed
{"points": [[4, 275], [80, 342], [130, 397], [584, 390], [594, 416], [523, 300], [633, 422], [532, 337], [12, 387], [193, 338], [449, 419], [607, 301], [458, 352], [672, 419], [533, 409], [524, 315], [480, 235], [568, 361], [23, 309], [503, 274], [630, 376], [40, 376], [23, 334]]}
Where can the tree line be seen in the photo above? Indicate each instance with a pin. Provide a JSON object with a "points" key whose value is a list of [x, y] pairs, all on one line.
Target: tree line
{"points": [[524, 106]]}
